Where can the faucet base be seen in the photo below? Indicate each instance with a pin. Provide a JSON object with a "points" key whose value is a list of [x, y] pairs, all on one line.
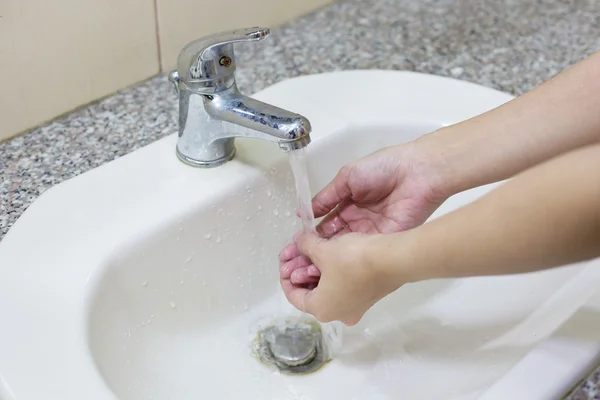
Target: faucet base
{"points": [[205, 164]]}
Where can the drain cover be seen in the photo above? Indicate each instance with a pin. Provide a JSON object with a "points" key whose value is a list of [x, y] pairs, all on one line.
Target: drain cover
{"points": [[293, 346]]}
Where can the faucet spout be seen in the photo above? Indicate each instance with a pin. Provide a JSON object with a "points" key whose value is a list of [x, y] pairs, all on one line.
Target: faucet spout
{"points": [[264, 121]]}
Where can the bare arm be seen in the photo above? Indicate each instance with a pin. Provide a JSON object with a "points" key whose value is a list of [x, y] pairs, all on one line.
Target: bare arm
{"points": [[558, 116], [545, 217]]}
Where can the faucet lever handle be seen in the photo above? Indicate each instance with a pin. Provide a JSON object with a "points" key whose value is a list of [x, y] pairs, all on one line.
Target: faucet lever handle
{"points": [[211, 58], [240, 35]]}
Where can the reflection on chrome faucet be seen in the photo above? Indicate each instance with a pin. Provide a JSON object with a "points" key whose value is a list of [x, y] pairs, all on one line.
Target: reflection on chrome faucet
{"points": [[212, 111]]}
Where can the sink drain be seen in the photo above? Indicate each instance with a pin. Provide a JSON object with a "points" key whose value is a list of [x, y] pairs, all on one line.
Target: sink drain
{"points": [[293, 346]]}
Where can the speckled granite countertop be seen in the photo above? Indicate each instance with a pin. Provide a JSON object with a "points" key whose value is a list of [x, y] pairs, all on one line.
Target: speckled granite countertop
{"points": [[510, 45]]}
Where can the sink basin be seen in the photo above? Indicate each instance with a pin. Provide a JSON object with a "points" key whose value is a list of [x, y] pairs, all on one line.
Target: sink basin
{"points": [[149, 279]]}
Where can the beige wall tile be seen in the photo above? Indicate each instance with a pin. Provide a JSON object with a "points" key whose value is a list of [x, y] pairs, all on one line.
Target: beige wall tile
{"points": [[58, 55], [181, 21]]}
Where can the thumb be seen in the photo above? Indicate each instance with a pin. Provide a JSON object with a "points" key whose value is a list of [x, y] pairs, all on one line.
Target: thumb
{"points": [[334, 193], [311, 245]]}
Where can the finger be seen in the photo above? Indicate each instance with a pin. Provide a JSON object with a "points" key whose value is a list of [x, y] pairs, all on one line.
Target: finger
{"points": [[331, 224], [310, 245], [342, 232], [286, 269], [298, 296], [290, 251], [313, 271], [302, 277], [329, 231], [333, 194]]}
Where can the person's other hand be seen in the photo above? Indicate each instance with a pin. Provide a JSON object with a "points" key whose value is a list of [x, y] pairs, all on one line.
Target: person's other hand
{"points": [[391, 190], [349, 282]]}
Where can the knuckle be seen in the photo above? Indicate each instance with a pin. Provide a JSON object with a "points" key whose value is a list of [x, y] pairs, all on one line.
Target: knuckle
{"points": [[315, 251], [316, 254], [345, 171], [323, 316]]}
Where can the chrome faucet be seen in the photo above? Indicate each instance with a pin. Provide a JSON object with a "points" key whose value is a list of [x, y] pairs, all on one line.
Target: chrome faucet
{"points": [[212, 112]]}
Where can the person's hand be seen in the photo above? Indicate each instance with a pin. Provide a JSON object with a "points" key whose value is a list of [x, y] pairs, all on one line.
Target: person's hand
{"points": [[391, 190], [350, 282]]}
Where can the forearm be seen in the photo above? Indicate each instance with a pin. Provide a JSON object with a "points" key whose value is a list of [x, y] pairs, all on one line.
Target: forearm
{"points": [[546, 217], [561, 115]]}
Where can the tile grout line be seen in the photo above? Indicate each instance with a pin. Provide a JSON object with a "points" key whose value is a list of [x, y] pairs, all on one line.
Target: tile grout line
{"points": [[158, 45]]}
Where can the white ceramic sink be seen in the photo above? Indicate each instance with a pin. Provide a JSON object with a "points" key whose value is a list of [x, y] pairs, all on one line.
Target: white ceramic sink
{"points": [[148, 279]]}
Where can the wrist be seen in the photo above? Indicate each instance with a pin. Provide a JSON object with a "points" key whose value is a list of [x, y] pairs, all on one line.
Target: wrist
{"points": [[393, 258], [440, 156]]}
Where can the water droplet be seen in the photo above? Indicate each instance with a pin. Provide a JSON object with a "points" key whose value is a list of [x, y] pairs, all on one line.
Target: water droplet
{"points": [[218, 239], [145, 283], [276, 212], [181, 229], [288, 214], [172, 303], [241, 285], [248, 217], [207, 236], [220, 211], [177, 240], [181, 282], [259, 208], [269, 193]]}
